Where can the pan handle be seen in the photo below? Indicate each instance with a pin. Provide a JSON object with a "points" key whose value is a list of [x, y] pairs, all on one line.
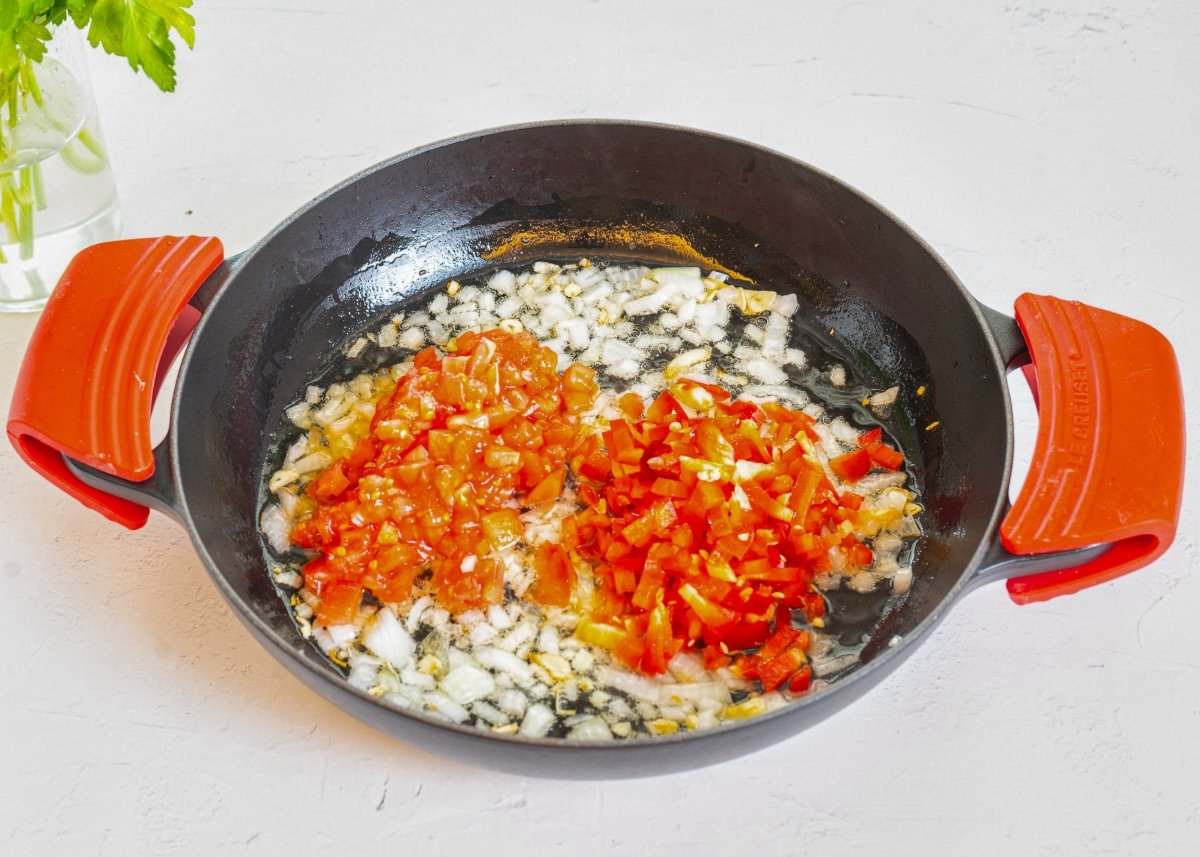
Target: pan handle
{"points": [[1108, 461], [106, 338]]}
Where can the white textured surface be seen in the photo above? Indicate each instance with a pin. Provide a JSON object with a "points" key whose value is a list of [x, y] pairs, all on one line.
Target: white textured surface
{"points": [[1038, 145]]}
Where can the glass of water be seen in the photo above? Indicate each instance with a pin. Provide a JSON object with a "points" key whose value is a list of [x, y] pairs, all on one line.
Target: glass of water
{"points": [[57, 193]]}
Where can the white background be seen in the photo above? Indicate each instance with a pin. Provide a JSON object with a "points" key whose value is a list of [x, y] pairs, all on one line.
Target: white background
{"points": [[1038, 145]]}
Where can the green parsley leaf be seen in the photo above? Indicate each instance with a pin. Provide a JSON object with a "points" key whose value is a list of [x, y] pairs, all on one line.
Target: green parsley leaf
{"points": [[139, 30]]}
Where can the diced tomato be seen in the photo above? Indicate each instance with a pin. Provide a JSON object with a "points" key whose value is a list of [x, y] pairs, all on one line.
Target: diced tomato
{"points": [[579, 388], [669, 488], [803, 491], [596, 466], [427, 358], [364, 451], [880, 452], [554, 577], [714, 658], [684, 536], [502, 458], [548, 490], [734, 546], [632, 406], [339, 604], [502, 528], [331, 482], [620, 443], [448, 449]]}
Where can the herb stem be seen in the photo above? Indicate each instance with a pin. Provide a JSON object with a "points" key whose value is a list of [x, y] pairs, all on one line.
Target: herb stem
{"points": [[31, 84], [75, 156], [8, 207], [93, 144], [39, 186], [25, 209]]}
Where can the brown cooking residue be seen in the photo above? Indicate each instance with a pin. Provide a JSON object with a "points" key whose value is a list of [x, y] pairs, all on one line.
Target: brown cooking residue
{"points": [[632, 237]]}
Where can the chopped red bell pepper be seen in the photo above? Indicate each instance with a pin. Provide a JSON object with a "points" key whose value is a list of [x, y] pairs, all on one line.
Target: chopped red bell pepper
{"points": [[852, 466], [885, 456]]}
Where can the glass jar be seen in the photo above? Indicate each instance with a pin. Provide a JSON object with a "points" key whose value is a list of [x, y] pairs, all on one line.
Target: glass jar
{"points": [[57, 193]]}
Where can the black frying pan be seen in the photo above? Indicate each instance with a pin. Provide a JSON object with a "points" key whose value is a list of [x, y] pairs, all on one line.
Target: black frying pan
{"points": [[273, 318]]}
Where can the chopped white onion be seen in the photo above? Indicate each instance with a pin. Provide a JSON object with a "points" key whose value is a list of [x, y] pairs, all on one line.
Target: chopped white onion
{"points": [[489, 713], [796, 357], [687, 311], [596, 294], [575, 331], [592, 729], [765, 371], [416, 612], [340, 635], [387, 638], [498, 618], [503, 282], [694, 692], [884, 398], [843, 431], [312, 462], [506, 662], [440, 703], [537, 722], [615, 351], [775, 336], [680, 278], [785, 304], [418, 679], [625, 368], [686, 360], [512, 702], [712, 313], [633, 684], [277, 528], [466, 684]]}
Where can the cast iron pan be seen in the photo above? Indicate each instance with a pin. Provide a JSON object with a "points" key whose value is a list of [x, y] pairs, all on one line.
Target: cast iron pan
{"points": [[274, 317]]}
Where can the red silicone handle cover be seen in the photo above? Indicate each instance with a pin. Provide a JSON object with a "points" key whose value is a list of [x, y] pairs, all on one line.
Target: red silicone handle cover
{"points": [[109, 331], [1108, 460]]}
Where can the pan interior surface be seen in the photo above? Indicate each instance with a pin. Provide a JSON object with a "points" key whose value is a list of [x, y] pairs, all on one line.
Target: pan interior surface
{"points": [[872, 297]]}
